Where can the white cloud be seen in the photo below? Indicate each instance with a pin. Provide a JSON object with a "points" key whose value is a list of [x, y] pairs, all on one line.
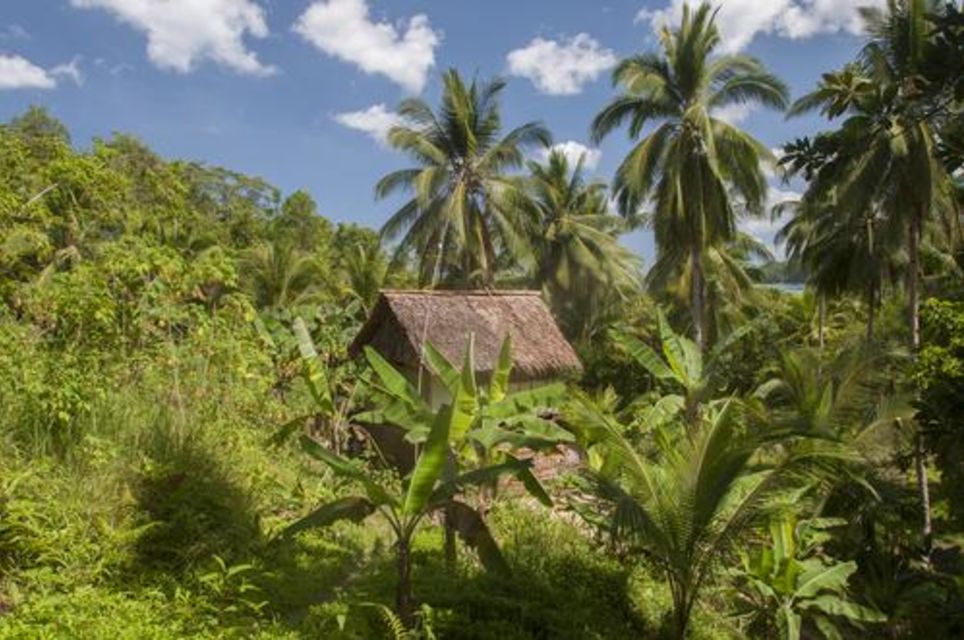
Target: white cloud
{"points": [[765, 228], [734, 113], [742, 20], [343, 28], [772, 170], [376, 121], [182, 33], [561, 68], [574, 151], [19, 73], [69, 70]]}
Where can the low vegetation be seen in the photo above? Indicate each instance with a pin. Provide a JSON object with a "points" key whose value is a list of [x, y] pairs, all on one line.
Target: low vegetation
{"points": [[187, 449]]}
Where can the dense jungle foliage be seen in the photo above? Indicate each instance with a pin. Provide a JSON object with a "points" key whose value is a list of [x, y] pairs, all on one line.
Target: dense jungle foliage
{"points": [[183, 441]]}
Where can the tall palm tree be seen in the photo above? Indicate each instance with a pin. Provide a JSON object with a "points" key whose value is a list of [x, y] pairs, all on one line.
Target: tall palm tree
{"points": [[891, 162], [454, 217], [576, 254], [692, 161]]}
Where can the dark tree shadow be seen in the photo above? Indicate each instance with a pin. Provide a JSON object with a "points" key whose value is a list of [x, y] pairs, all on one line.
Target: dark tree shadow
{"points": [[194, 507]]}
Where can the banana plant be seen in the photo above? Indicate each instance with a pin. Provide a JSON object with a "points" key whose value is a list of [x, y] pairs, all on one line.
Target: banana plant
{"points": [[680, 364], [789, 588], [406, 503], [500, 421], [332, 401], [500, 416]]}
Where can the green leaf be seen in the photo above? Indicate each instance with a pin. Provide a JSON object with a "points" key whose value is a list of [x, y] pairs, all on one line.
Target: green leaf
{"points": [[837, 606], [645, 356], [465, 400], [499, 386], [826, 627], [531, 483], [472, 529], [543, 397], [352, 508], [395, 383], [681, 353], [476, 477], [442, 367], [314, 372], [346, 469], [430, 463], [415, 420], [833, 578]]}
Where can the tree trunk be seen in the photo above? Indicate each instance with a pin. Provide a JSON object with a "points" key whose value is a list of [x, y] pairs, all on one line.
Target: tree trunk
{"points": [[913, 276], [696, 294], [925, 499], [871, 311], [403, 591], [821, 318]]}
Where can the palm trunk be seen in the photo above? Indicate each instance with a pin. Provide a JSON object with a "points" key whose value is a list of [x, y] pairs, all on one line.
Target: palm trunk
{"points": [[920, 463], [871, 311], [913, 276], [403, 591], [821, 318], [696, 294], [913, 295]]}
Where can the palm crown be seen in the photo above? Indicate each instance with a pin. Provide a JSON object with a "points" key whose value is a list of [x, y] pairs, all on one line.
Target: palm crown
{"points": [[454, 218], [690, 163]]}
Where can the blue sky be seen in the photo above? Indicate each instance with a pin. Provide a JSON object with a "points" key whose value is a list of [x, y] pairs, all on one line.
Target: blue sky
{"points": [[298, 91]]}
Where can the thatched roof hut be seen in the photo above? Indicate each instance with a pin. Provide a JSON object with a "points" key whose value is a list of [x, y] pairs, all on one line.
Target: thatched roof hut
{"points": [[400, 319]]}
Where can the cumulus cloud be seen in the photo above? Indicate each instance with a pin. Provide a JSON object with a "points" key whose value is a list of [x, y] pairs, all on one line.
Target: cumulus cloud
{"points": [[563, 67], [376, 121], [343, 29], [574, 151], [19, 73], [734, 113], [764, 228], [742, 20], [182, 33]]}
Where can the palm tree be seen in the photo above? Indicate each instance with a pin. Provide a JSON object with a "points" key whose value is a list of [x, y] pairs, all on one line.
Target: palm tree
{"points": [[453, 218], [842, 250], [365, 273], [895, 168], [684, 503], [279, 275], [891, 162], [692, 161], [576, 255]]}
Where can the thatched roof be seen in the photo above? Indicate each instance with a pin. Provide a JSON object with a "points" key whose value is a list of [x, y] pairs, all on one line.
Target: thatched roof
{"points": [[400, 319]]}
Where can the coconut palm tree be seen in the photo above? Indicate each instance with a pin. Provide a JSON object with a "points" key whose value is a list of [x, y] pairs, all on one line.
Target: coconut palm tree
{"points": [[891, 165], [689, 165], [453, 217], [683, 503], [576, 255]]}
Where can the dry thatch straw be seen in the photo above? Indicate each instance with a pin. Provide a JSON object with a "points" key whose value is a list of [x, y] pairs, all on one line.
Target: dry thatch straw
{"points": [[446, 318]]}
